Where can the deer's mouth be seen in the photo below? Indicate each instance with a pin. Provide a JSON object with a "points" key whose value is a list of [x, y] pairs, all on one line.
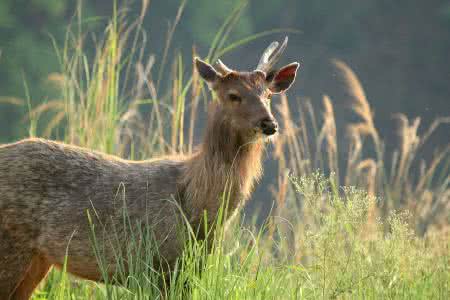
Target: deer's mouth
{"points": [[259, 135], [271, 138]]}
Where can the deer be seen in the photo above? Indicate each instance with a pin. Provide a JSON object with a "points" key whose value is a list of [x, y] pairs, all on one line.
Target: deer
{"points": [[47, 187]]}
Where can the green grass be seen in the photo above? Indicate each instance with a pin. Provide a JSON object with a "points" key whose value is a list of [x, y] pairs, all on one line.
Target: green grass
{"points": [[329, 236], [338, 256]]}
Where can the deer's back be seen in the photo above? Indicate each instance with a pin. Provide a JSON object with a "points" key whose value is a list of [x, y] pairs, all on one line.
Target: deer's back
{"points": [[47, 188]]}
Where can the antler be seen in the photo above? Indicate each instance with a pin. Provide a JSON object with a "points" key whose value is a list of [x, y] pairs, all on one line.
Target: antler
{"points": [[271, 56], [220, 67]]}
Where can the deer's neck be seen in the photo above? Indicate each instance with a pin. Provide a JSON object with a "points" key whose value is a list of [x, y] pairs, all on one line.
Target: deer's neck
{"points": [[224, 169]]}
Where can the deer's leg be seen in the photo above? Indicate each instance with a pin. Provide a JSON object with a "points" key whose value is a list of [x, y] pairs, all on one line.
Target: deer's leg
{"points": [[14, 263], [37, 271]]}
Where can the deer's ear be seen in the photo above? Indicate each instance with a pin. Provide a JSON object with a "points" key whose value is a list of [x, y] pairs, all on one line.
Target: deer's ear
{"points": [[281, 80], [206, 71]]}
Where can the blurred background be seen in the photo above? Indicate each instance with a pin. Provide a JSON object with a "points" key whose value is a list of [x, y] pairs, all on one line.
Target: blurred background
{"points": [[400, 51]]}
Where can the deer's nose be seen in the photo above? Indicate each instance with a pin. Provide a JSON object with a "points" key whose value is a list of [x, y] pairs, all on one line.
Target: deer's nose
{"points": [[268, 126]]}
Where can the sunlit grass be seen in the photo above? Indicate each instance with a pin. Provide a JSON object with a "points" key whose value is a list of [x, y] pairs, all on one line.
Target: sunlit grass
{"points": [[336, 256]]}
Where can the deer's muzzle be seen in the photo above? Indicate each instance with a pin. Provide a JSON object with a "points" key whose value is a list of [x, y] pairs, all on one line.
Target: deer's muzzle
{"points": [[268, 126]]}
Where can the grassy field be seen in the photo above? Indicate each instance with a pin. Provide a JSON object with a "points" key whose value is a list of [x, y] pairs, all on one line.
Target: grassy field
{"points": [[337, 253], [370, 228]]}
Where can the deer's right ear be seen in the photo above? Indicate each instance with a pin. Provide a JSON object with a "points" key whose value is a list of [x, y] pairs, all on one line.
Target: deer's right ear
{"points": [[282, 80], [206, 71]]}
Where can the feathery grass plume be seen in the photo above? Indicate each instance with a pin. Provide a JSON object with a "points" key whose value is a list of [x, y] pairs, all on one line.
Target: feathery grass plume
{"points": [[426, 196], [353, 156], [292, 152], [288, 133], [294, 139], [366, 172], [409, 143], [359, 103], [357, 131], [328, 134], [361, 107], [369, 167]]}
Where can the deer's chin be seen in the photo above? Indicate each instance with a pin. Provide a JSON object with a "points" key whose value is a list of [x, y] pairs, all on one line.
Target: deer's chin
{"points": [[261, 137], [269, 138]]}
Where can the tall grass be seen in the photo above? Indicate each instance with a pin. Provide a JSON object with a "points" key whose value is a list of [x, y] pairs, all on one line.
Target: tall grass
{"points": [[333, 257], [369, 228], [404, 182]]}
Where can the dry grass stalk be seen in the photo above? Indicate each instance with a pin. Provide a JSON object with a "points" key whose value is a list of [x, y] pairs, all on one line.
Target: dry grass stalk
{"points": [[12, 100], [359, 103], [195, 99], [328, 134], [408, 147]]}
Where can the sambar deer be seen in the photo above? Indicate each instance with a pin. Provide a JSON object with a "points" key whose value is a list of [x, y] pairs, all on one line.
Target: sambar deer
{"points": [[47, 187]]}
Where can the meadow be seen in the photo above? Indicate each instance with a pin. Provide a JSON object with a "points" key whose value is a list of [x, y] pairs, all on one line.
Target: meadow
{"points": [[375, 226]]}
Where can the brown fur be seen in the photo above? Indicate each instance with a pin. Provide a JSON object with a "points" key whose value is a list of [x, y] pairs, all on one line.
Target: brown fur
{"points": [[47, 187]]}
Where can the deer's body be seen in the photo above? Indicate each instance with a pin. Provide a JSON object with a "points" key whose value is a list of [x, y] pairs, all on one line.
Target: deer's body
{"points": [[47, 188]]}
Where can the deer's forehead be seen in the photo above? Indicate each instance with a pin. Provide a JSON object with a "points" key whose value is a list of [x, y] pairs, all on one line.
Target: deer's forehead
{"points": [[246, 82]]}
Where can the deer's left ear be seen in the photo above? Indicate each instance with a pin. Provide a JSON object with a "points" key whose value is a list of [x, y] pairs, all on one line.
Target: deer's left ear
{"points": [[206, 71], [281, 80]]}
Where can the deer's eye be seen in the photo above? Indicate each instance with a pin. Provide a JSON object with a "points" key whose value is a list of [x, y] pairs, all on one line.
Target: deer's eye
{"points": [[235, 98]]}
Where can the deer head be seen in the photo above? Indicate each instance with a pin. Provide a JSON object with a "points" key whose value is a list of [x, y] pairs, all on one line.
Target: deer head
{"points": [[244, 97]]}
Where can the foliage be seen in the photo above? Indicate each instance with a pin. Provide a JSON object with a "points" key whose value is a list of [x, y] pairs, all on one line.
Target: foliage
{"points": [[338, 256], [27, 54]]}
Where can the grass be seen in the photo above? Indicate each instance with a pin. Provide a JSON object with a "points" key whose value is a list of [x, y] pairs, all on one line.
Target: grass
{"points": [[369, 228], [333, 254]]}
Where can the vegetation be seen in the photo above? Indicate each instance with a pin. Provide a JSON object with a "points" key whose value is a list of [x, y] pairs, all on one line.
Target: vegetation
{"points": [[333, 254], [375, 227]]}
